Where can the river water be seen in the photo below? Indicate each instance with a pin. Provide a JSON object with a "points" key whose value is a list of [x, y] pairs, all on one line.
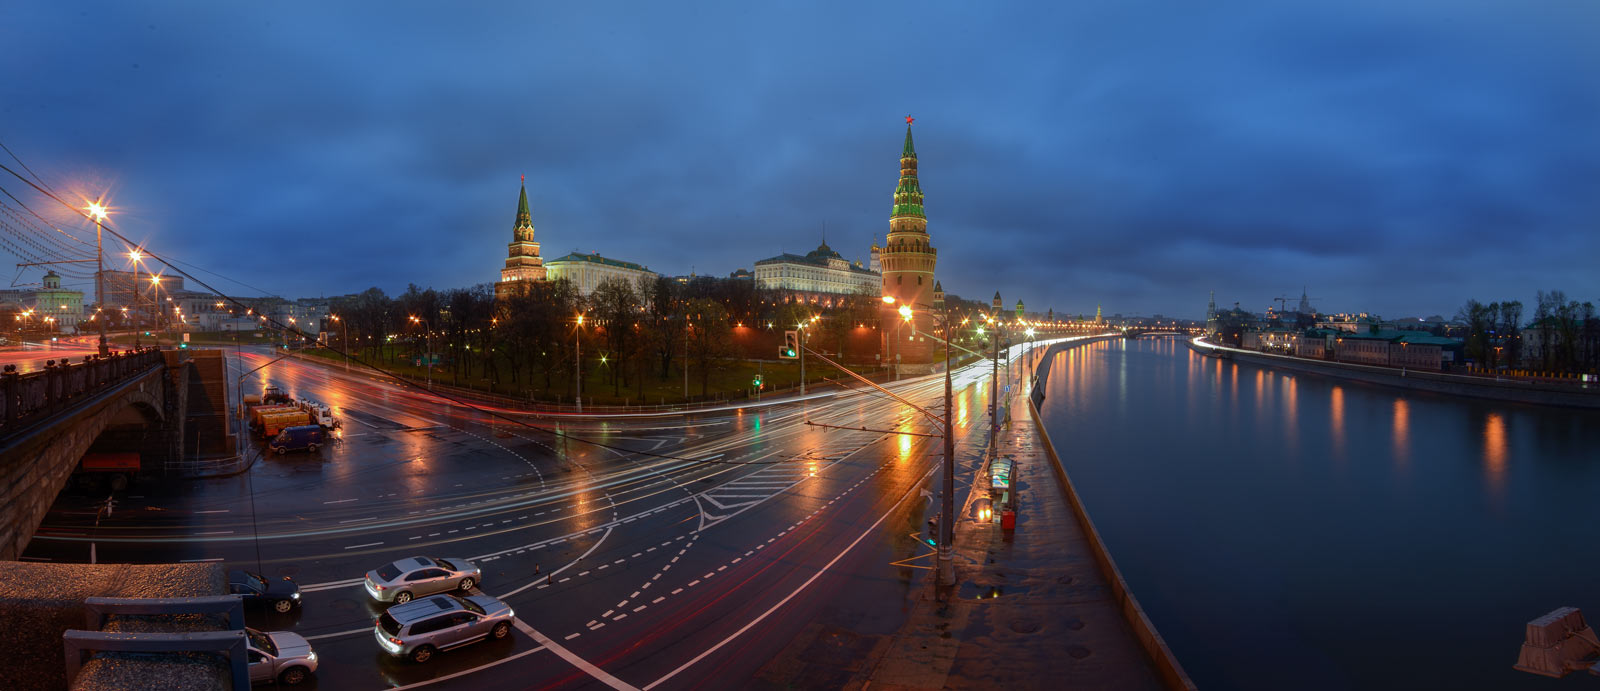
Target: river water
{"points": [[1294, 531]]}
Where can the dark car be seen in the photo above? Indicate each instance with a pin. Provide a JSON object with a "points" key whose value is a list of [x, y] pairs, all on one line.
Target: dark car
{"points": [[282, 595]]}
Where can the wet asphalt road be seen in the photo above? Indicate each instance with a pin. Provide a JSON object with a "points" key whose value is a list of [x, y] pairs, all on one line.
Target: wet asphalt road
{"points": [[624, 567]]}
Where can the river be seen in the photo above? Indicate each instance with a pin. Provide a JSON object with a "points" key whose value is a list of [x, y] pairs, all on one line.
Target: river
{"points": [[1295, 531]]}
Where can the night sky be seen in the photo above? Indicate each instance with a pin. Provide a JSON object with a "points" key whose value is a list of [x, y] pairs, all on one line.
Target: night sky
{"points": [[1391, 157]]}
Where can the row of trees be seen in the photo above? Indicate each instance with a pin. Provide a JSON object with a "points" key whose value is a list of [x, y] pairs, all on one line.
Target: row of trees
{"points": [[1564, 335], [529, 338]]}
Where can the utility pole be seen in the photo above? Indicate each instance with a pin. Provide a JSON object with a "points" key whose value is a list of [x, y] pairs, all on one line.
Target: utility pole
{"points": [[947, 567], [577, 363], [99, 213], [802, 354], [686, 357]]}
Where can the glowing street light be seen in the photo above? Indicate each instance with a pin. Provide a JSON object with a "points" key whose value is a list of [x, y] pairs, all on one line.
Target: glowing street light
{"points": [[99, 214]]}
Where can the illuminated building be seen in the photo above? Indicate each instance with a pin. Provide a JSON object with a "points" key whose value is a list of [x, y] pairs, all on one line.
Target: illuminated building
{"points": [[587, 271], [820, 276]]}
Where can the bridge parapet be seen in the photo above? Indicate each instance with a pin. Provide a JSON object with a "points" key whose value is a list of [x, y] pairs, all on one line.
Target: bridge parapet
{"points": [[26, 399]]}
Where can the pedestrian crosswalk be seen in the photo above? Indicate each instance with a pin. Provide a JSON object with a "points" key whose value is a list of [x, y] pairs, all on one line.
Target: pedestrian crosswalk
{"points": [[737, 496]]}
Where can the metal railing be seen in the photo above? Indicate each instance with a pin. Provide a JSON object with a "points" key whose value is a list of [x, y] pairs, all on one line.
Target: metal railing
{"points": [[25, 399]]}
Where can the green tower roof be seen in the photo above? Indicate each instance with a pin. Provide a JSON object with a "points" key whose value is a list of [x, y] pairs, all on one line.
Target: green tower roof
{"points": [[524, 217], [909, 150]]}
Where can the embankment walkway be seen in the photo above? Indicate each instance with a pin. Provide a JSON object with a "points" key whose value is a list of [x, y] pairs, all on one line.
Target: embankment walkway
{"points": [[1040, 607]]}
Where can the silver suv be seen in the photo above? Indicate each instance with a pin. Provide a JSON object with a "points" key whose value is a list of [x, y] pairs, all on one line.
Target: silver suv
{"points": [[279, 656], [402, 580], [418, 629]]}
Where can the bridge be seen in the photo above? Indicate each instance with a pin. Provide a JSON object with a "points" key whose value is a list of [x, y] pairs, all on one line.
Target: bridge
{"points": [[134, 401], [1137, 331]]}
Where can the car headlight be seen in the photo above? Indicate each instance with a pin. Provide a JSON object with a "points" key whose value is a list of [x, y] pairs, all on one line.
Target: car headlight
{"points": [[311, 656], [296, 596]]}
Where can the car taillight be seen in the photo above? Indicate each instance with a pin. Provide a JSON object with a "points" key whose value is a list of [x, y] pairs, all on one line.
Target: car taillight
{"points": [[396, 641], [376, 586]]}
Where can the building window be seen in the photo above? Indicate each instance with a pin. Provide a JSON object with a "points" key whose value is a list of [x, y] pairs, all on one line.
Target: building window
{"points": [[919, 280], [899, 279]]}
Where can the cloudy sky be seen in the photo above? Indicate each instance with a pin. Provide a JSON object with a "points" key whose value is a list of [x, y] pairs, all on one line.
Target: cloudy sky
{"points": [[1390, 157]]}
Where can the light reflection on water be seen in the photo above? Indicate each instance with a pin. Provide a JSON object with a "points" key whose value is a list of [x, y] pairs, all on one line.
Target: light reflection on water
{"points": [[1406, 546]]}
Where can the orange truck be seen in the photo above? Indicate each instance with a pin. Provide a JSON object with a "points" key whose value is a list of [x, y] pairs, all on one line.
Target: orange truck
{"points": [[273, 423], [261, 411]]}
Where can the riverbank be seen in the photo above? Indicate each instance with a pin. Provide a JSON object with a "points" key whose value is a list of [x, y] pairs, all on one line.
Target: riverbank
{"points": [[1573, 395]]}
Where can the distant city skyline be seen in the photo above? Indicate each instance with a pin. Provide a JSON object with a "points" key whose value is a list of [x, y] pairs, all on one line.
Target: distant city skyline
{"points": [[1397, 160]]}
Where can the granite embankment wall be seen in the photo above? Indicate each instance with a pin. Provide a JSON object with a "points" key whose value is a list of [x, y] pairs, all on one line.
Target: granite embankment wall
{"points": [[1573, 395]]}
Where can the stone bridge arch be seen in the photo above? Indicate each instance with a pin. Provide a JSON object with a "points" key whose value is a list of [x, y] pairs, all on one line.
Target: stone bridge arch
{"points": [[36, 464]]}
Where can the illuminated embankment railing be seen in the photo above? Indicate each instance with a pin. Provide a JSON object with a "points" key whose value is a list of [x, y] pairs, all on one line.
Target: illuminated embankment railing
{"points": [[26, 399]]}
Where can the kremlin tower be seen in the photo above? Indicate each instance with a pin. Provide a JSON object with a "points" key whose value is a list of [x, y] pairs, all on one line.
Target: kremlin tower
{"points": [[523, 262], [908, 260]]}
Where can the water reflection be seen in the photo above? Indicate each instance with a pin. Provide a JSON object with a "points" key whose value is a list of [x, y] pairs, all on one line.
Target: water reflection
{"points": [[1291, 419], [1336, 419], [1494, 449], [1402, 433]]}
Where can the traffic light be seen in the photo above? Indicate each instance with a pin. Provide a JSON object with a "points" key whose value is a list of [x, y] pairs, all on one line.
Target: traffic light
{"points": [[791, 345], [757, 382]]}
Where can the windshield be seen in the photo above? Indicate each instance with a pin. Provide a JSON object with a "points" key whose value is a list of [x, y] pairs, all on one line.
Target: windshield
{"points": [[262, 642], [255, 582], [470, 605], [388, 572], [445, 563], [388, 625]]}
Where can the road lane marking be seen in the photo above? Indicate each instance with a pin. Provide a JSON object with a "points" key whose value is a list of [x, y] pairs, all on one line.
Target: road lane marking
{"points": [[825, 568], [340, 501], [369, 544]]}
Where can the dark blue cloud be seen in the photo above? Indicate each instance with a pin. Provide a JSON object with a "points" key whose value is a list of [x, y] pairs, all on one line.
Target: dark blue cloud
{"points": [[1136, 155]]}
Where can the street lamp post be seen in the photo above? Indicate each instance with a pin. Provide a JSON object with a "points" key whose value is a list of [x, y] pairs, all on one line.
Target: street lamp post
{"points": [[99, 213], [133, 288], [427, 340], [344, 339], [577, 362], [947, 508]]}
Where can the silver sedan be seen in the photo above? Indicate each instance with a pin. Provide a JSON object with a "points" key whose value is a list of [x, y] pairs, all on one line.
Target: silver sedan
{"points": [[418, 576]]}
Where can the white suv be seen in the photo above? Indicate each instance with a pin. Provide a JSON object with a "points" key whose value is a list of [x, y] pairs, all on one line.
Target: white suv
{"points": [[420, 628]]}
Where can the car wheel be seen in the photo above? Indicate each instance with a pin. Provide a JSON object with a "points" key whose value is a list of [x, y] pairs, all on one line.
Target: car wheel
{"points": [[282, 450], [501, 630], [283, 606], [422, 654], [402, 597], [466, 584], [292, 676], [312, 448]]}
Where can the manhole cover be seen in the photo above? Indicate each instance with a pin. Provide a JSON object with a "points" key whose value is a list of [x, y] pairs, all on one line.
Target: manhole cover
{"points": [[1078, 652], [1024, 625]]}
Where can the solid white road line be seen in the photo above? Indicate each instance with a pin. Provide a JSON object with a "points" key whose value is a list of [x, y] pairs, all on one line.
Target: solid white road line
{"points": [[369, 544], [572, 658]]}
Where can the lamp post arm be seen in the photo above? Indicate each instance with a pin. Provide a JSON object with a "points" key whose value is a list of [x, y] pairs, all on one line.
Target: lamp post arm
{"points": [[937, 421]]}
